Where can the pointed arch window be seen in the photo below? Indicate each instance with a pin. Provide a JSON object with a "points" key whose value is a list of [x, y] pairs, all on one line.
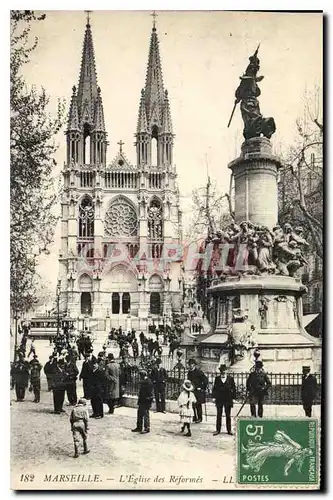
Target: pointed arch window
{"points": [[86, 145], [154, 146], [155, 220], [126, 303], [86, 308], [115, 303], [86, 218]]}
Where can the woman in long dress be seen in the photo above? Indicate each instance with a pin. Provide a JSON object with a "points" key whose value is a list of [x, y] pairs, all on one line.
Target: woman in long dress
{"points": [[185, 402]]}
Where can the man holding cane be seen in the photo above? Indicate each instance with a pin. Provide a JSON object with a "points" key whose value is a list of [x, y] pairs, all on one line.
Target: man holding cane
{"points": [[257, 386]]}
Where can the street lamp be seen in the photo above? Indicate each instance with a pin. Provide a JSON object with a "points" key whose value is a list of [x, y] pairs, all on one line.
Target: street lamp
{"points": [[16, 318], [58, 312]]}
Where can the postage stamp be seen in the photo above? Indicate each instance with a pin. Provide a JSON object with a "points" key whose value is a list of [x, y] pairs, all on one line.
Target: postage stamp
{"points": [[277, 452]]}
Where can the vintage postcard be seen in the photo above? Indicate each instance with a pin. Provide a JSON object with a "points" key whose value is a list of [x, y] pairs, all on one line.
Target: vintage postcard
{"points": [[166, 250]]}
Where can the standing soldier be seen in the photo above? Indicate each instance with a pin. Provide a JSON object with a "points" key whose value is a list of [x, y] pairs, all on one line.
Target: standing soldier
{"points": [[79, 424], [308, 390], [257, 386], [224, 392], [158, 377], [145, 400], [200, 383], [20, 376], [35, 368], [112, 375]]}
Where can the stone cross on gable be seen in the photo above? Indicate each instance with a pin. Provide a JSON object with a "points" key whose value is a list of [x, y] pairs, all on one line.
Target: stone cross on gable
{"points": [[121, 143]]}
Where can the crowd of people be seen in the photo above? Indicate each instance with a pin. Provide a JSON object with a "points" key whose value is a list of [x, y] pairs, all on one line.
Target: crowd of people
{"points": [[147, 345], [104, 380]]}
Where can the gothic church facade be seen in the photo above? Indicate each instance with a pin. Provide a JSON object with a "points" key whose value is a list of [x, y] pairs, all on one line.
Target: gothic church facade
{"points": [[120, 259]]}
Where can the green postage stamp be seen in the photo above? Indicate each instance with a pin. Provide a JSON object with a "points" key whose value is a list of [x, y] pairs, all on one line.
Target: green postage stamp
{"points": [[275, 452]]}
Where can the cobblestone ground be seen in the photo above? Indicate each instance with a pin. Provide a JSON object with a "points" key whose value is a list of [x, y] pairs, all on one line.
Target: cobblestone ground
{"points": [[41, 443]]}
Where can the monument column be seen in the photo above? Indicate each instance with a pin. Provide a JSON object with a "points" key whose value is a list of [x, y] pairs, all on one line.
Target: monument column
{"points": [[255, 174]]}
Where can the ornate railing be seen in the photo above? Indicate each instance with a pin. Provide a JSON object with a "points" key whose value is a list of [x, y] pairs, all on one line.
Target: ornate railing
{"points": [[285, 389]]}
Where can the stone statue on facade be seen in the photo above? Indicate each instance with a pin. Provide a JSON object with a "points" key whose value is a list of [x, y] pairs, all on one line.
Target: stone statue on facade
{"points": [[263, 313], [247, 94]]}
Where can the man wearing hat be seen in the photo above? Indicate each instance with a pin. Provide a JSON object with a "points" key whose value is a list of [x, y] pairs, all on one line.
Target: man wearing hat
{"points": [[158, 377], [145, 400], [79, 424], [35, 369], [224, 392], [86, 372], [257, 386], [112, 375], [308, 390], [200, 382], [59, 385], [20, 376]]}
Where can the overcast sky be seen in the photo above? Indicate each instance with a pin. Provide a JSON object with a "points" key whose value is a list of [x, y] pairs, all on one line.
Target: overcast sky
{"points": [[203, 54]]}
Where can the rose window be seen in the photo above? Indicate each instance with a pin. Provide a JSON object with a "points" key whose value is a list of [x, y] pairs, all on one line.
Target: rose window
{"points": [[121, 220]]}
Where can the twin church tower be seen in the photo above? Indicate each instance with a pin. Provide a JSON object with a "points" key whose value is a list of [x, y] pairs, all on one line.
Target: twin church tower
{"points": [[119, 261]]}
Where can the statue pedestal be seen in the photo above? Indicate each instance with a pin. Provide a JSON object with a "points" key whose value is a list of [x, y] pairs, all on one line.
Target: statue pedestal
{"points": [[283, 343], [255, 174]]}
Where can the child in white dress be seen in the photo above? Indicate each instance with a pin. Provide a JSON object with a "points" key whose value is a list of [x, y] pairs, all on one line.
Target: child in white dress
{"points": [[185, 403]]}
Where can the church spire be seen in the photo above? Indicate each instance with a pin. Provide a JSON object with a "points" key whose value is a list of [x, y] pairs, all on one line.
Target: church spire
{"points": [[87, 89], [86, 134], [154, 91], [73, 116], [142, 126], [166, 123], [99, 123], [154, 120]]}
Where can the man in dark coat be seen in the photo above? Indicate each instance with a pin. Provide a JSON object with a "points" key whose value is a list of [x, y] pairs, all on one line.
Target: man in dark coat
{"points": [[224, 392], [35, 369], [112, 376], [308, 390], [59, 385], [135, 348], [200, 383], [72, 372], [20, 376], [158, 377], [97, 390], [48, 372], [86, 371], [257, 386], [145, 400]]}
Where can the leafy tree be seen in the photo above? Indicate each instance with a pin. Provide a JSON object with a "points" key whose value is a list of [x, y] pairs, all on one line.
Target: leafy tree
{"points": [[33, 190]]}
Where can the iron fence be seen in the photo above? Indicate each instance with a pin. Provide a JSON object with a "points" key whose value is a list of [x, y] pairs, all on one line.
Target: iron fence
{"points": [[285, 389]]}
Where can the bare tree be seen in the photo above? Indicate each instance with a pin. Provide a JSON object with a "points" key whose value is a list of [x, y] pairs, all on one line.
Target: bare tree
{"points": [[301, 178]]}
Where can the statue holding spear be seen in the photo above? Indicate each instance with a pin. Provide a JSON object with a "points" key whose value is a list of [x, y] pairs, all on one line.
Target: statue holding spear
{"points": [[247, 94]]}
